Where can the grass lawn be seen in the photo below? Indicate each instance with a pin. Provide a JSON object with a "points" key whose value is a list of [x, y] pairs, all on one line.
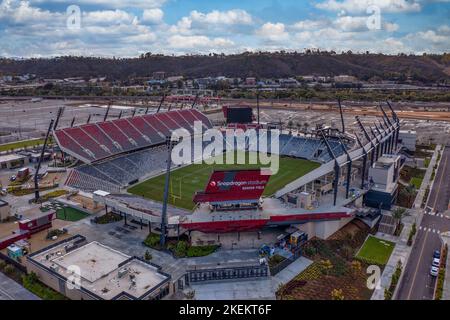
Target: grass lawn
{"points": [[188, 180], [417, 182], [376, 251], [21, 144], [70, 214]]}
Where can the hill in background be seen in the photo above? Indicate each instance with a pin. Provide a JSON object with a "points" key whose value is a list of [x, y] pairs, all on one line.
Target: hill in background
{"points": [[262, 65]]}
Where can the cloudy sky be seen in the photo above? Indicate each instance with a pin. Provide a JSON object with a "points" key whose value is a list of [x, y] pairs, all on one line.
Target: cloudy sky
{"points": [[41, 28]]}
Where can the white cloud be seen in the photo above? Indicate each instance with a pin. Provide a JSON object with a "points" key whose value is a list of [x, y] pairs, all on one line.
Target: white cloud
{"points": [[154, 16], [310, 24], [116, 4], [21, 12], [218, 22], [107, 17], [361, 6], [231, 17], [197, 42], [360, 23], [274, 32]]}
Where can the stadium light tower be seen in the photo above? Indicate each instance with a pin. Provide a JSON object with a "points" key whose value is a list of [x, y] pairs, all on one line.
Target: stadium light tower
{"points": [[162, 238], [342, 114], [258, 92], [36, 174]]}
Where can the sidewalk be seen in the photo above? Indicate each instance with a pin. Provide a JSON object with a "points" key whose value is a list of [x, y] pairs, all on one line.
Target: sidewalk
{"points": [[446, 291], [402, 250]]}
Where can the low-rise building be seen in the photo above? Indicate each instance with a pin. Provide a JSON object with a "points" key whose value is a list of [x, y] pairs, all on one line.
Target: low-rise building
{"points": [[5, 210], [408, 139], [11, 161], [383, 178], [93, 271]]}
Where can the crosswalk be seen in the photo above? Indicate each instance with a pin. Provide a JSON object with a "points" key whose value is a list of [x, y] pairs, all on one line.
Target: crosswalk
{"points": [[431, 230], [439, 215]]}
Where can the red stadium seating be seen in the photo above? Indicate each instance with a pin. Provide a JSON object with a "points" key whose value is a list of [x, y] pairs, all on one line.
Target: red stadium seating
{"points": [[87, 142], [67, 143], [93, 142], [155, 123], [116, 135], [131, 132], [94, 131], [180, 120], [167, 120], [146, 129]]}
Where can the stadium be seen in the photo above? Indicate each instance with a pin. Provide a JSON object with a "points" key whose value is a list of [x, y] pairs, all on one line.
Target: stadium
{"points": [[321, 185]]}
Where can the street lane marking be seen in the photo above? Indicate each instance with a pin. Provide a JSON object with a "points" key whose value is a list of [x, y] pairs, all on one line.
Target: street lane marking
{"points": [[440, 182], [417, 266]]}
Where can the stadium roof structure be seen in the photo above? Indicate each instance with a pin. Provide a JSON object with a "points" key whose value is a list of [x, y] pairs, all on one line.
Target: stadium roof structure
{"points": [[93, 142]]}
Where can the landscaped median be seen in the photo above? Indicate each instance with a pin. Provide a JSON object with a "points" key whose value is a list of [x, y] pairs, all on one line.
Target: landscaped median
{"points": [[179, 248], [441, 275]]}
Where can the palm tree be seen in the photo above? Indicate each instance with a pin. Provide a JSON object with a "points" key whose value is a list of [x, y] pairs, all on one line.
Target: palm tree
{"points": [[398, 214], [409, 193], [306, 125]]}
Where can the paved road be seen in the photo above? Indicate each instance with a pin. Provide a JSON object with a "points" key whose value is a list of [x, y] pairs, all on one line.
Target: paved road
{"points": [[417, 283], [10, 290]]}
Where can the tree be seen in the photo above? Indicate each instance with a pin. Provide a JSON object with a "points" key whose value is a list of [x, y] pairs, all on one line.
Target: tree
{"points": [[290, 124], [356, 266], [326, 266], [148, 256], [306, 125], [398, 214], [409, 193], [337, 294], [190, 295], [280, 291]]}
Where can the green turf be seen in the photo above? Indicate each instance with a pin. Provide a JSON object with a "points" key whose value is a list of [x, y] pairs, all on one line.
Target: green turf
{"points": [[376, 251], [70, 214], [21, 144], [417, 182], [188, 180]]}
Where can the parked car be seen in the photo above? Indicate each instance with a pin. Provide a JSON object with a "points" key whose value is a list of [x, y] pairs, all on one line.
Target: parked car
{"points": [[434, 271], [436, 262], [437, 254], [13, 178]]}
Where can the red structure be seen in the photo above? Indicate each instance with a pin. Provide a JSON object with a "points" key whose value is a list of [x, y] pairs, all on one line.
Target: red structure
{"points": [[27, 227], [254, 224], [235, 186]]}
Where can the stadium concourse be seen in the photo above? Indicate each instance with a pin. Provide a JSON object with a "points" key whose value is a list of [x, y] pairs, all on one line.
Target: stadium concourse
{"points": [[129, 153]]}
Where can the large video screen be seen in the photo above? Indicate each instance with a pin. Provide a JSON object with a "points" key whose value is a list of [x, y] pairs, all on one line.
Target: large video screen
{"points": [[239, 115]]}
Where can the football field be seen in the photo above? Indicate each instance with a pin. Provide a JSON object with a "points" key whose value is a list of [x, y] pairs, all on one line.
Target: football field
{"points": [[184, 182]]}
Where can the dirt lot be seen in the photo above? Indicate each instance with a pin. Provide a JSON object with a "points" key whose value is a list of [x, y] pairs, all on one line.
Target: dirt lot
{"points": [[38, 240]]}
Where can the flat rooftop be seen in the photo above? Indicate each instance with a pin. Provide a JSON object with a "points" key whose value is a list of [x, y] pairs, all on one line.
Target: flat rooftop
{"points": [[11, 157], [105, 272]]}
